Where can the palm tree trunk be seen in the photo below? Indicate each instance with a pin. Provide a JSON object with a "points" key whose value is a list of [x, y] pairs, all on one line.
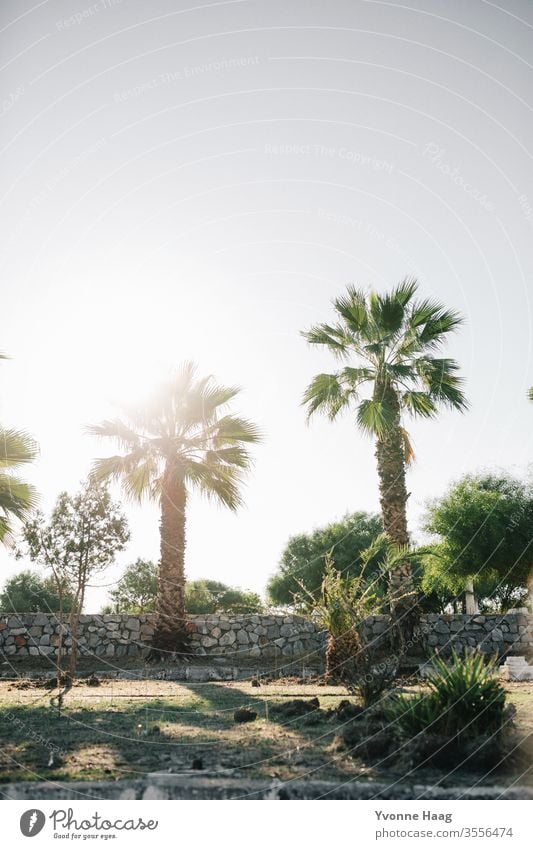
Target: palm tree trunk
{"points": [[171, 634], [390, 455]]}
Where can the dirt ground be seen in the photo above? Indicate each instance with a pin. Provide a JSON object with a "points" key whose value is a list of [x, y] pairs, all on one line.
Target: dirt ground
{"points": [[128, 729]]}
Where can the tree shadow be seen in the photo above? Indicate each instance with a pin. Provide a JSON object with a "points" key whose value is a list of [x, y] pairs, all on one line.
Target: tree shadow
{"points": [[121, 738]]}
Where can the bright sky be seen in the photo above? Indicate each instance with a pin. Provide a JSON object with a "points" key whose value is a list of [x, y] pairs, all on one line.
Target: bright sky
{"points": [[193, 180]]}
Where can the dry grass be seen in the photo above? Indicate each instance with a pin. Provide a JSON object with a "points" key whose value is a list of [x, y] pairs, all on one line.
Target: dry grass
{"points": [[130, 728]]}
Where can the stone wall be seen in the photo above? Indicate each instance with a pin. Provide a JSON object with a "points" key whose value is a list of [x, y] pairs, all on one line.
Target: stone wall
{"points": [[116, 636], [256, 637], [491, 633]]}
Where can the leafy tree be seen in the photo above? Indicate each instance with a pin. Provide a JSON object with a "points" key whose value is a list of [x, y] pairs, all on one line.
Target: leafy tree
{"points": [[388, 344], [80, 539], [17, 498], [303, 560], [28, 592], [205, 596], [136, 591], [485, 527], [178, 442]]}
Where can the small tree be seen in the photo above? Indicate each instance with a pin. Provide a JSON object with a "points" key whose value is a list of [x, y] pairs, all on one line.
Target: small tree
{"points": [[485, 526], [80, 539], [205, 596], [303, 558], [136, 591], [28, 592]]}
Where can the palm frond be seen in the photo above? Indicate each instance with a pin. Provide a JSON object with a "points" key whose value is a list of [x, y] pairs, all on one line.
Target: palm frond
{"points": [[17, 500], [405, 291], [203, 401], [118, 430], [218, 482], [387, 312], [16, 448], [376, 417], [135, 472], [333, 337], [353, 308], [231, 456], [229, 430], [326, 393], [432, 331], [419, 404]]}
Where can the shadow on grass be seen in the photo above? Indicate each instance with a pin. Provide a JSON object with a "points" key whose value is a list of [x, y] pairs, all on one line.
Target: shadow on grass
{"points": [[190, 732]]}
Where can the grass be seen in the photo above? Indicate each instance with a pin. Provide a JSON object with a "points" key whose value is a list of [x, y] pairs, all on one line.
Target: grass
{"points": [[129, 728]]}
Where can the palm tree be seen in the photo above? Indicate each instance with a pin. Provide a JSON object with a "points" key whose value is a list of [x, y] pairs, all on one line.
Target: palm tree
{"points": [[17, 498], [178, 442], [388, 344]]}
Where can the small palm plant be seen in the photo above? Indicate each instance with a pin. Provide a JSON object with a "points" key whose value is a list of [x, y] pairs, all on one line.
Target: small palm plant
{"points": [[181, 441], [388, 344], [345, 603]]}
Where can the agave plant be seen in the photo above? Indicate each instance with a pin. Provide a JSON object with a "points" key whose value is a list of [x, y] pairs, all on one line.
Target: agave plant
{"points": [[465, 698]]}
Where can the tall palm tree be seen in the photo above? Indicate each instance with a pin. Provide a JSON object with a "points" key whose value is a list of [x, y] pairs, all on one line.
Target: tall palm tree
{"points": [[180, 441], [388, 344], [17, 498]]}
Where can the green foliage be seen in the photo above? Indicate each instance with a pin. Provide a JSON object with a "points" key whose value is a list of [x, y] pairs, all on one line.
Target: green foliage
{"points": [[344, 601], [205, 596], [465, 698], [136, 591], [393, 339], [344, 604], [81, 538], [17, 498], [485, 526], [301, 568], [441, 588], [28, 592]]}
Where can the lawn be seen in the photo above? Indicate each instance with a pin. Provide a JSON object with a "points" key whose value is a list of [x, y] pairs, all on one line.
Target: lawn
{"points": [[125, 729]]}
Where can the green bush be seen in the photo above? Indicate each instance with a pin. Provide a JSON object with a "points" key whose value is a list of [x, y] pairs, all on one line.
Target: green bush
{"points": [[28, 592], [465, 699]]}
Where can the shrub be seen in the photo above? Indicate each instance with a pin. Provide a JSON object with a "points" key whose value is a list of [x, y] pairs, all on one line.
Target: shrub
{"points": [[465, 700]]}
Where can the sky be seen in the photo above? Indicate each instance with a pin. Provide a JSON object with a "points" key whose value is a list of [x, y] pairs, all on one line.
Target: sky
{"points": [[192, 180]]}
